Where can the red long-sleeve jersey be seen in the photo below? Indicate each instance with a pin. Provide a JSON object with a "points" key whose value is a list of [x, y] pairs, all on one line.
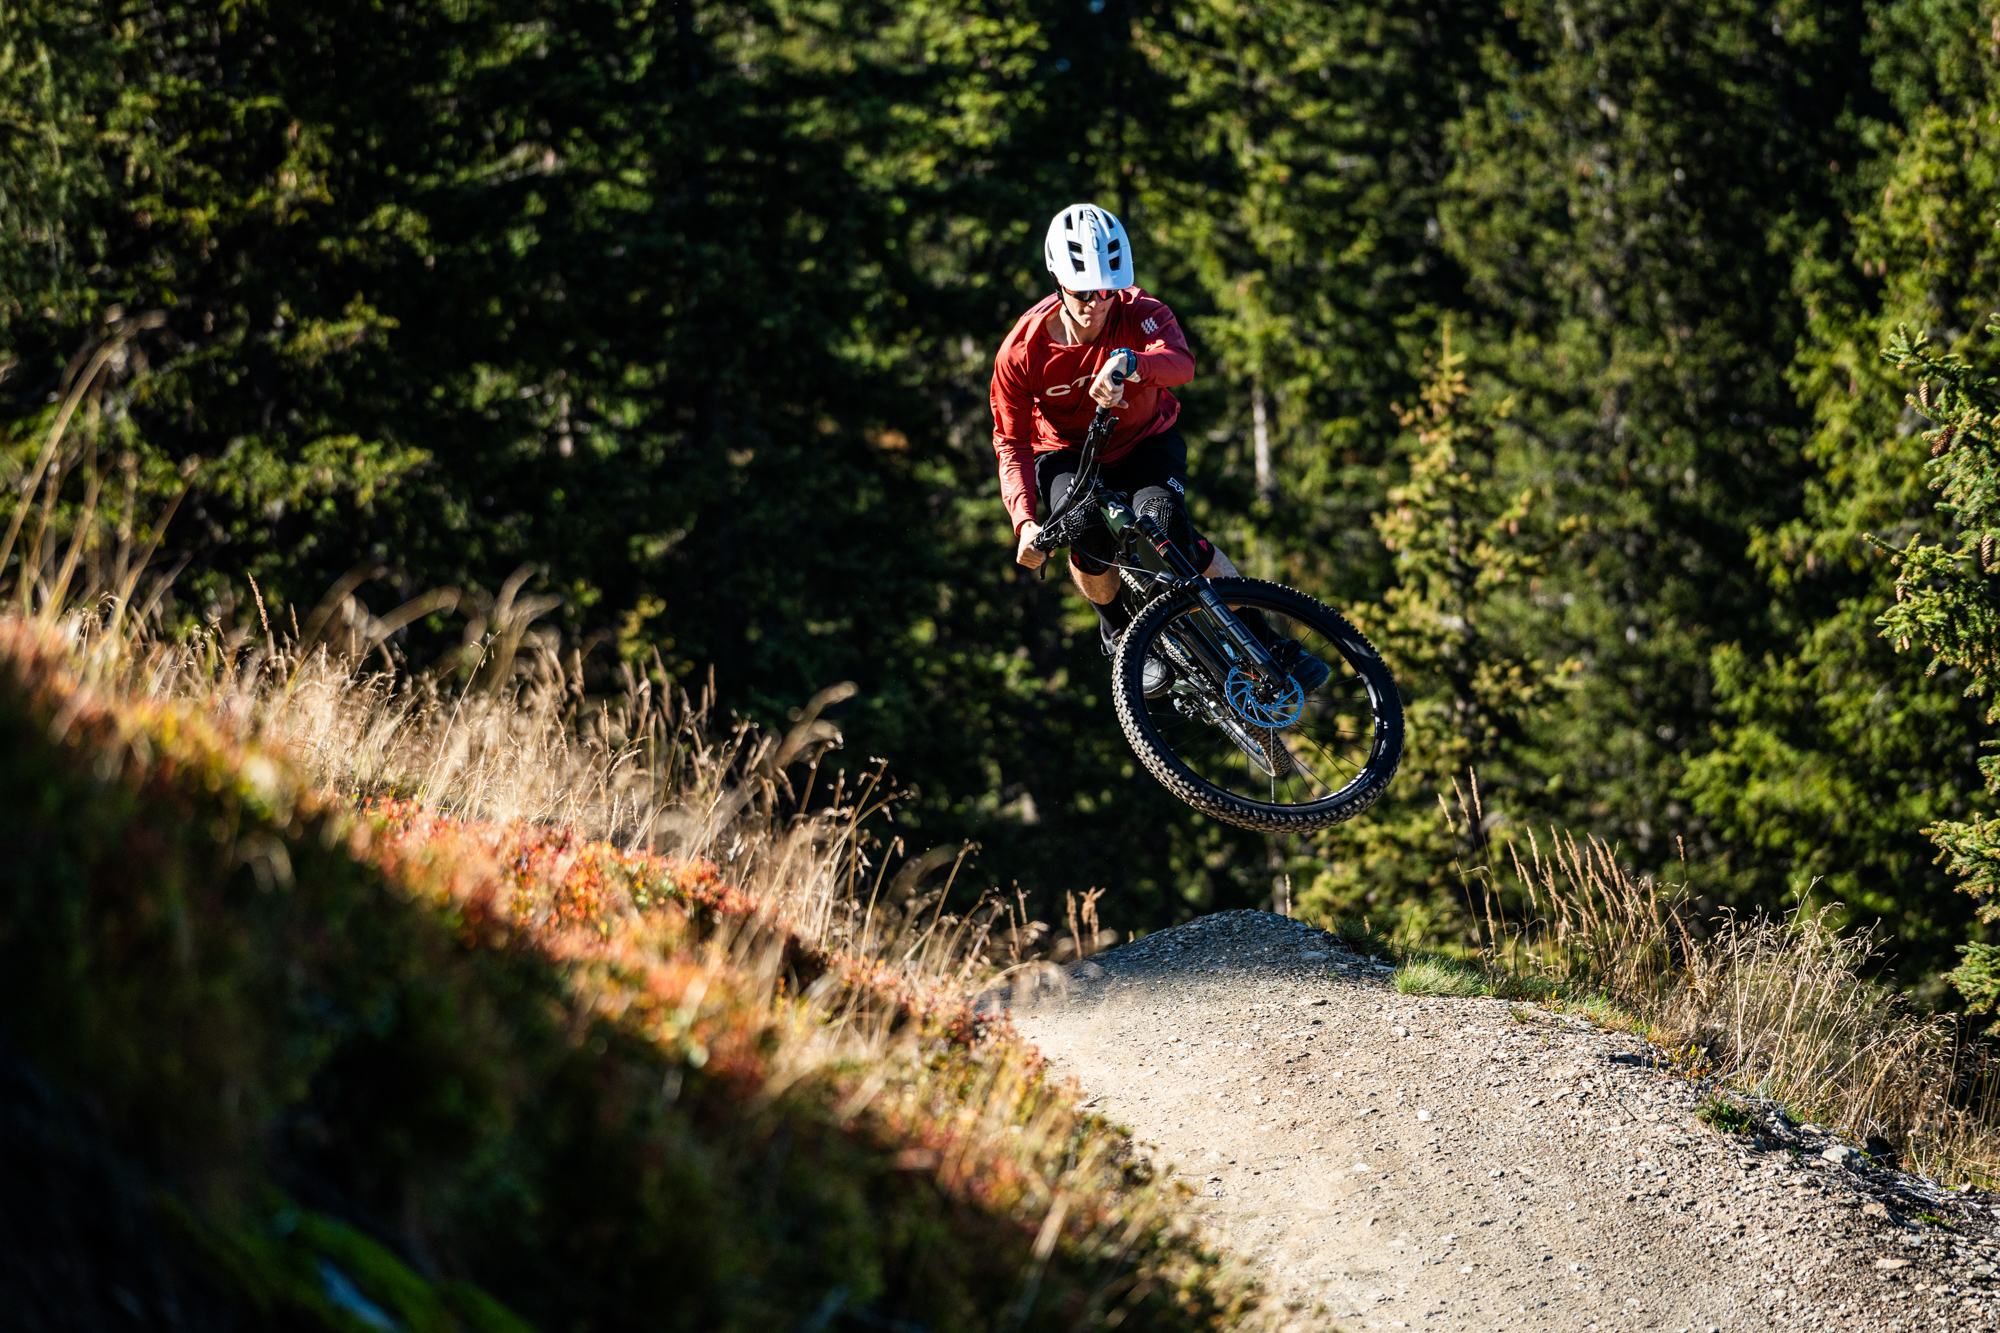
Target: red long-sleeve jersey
{"points": [[1041, 399]]}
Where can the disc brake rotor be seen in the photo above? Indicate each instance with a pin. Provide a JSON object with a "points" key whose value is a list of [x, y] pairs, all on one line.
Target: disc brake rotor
{"points": [[1260, 702]]}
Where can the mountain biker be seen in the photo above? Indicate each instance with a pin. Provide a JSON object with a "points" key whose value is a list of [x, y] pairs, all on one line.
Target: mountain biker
{"points": [[1052, 373]]}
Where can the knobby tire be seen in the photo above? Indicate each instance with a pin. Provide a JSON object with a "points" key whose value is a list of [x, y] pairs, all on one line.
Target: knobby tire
{"points": [[1141, 728]]}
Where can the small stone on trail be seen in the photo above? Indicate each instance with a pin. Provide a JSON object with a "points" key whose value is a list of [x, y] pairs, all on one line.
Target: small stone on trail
{"points": [[1400, 1031], [1892, 1263], [1842, 1155], [1425, 1116], [1874, 1210]]}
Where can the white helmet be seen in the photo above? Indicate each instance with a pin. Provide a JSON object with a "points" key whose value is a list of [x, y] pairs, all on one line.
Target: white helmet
{"points": [[1087, 249]]}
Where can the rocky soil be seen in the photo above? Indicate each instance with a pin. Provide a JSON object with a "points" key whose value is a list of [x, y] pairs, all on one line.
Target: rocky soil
{"points": [[1391, 1161]]}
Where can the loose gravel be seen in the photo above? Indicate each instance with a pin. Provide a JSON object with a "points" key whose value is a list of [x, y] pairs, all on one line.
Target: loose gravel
{"points": [[1391, 1162]]}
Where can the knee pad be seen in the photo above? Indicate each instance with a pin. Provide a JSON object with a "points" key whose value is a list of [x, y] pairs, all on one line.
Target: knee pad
{"points": [[1088, 563], [1091, 546], [1171, 515]]}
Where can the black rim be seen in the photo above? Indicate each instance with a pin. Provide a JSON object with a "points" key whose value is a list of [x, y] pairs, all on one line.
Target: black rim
{"points": [[1321, 758]]}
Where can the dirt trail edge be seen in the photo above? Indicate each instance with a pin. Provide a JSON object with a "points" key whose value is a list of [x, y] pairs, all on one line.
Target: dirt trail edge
{"points": [[1391, 1161]]}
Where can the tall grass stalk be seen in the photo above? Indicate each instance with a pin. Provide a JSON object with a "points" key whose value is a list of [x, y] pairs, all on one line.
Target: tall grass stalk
{"points": [[1779, 1007], [499, 756], [881, 1030], [652, 767]]}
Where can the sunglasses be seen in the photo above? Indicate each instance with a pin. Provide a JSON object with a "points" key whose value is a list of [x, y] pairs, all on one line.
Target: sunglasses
{"points": [[1088, 298]]}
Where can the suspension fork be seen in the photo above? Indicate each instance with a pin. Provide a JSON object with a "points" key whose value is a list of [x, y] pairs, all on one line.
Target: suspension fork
{"points": [[1121, 516]]}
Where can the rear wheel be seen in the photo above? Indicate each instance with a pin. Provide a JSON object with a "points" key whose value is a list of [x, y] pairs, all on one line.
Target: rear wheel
{"points": [[1305, 752]]}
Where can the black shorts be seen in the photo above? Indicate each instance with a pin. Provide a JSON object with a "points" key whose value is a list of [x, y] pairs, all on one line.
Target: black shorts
{"points": [[1153, 474]]}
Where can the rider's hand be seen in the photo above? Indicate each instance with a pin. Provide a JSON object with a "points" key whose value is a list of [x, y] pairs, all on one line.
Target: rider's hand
{"points": [[1025, 553], [1103, 390]]}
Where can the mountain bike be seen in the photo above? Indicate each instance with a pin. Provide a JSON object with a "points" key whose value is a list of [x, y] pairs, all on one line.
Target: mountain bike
{"points": [[1272, 713]]}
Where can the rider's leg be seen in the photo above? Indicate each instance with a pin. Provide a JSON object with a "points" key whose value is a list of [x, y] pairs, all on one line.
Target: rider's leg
{"points": [[1156, 475], [1098, 588], [1092, 553], [1091, 558], [1090, 569]]}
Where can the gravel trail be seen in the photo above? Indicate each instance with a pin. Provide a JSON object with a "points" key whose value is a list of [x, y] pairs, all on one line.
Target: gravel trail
{"points": [[1391, 1161]]}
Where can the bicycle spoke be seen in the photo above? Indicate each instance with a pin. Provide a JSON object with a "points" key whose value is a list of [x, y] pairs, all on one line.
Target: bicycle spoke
{"points": [[1327, 745]]}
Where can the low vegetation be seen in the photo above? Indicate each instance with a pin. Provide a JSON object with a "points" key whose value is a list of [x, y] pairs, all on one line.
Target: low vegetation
{"points": [[1780, 1008], [1441, 976], [1720, 1113], [353, 972]]}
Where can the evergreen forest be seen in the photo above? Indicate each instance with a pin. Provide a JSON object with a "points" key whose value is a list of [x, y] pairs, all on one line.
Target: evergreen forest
{"points": [[1544, 338]]}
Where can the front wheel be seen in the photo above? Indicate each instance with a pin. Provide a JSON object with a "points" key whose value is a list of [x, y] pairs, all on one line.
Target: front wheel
{"points": [[1311, 754]]}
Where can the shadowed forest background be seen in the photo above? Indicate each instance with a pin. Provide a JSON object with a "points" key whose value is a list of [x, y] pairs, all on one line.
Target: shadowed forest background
{"points": [[1542, 337]]}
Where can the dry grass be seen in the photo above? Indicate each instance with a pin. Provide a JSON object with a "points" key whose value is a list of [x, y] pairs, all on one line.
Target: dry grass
{"points": [[579, 810], [1780, 1008], [525, 762], [652, 768], [495, 766]]}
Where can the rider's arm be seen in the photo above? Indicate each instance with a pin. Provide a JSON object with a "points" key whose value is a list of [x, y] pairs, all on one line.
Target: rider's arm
{"points": [[1164, 358], [1013, 406]]}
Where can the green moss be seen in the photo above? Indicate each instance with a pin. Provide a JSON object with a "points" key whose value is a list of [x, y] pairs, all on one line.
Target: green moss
{"points": [[306, 1266]]}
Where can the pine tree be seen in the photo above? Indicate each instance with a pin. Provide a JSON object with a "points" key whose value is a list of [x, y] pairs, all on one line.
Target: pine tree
{"points": [[1616, 200], [1295, 185], [1829, 755], [1467, 555], [1947, 602]]}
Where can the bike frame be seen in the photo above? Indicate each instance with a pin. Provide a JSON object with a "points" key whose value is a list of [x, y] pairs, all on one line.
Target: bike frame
{"points": [[1156, 552]]}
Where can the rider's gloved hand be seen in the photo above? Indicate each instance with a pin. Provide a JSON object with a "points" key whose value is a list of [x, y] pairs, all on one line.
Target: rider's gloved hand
{"points": [[1025, 552], [1107, 394]]}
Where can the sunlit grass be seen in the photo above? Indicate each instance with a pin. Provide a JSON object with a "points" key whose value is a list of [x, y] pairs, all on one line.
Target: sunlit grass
{"points": [[1440, 976], [1781, 1008], [707, 890]]}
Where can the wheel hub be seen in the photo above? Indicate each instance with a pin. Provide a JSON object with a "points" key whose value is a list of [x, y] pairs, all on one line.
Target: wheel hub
{"points": [[1264, 702]]}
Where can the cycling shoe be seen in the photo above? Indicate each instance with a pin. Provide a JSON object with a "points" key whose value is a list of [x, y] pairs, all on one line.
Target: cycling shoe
{"points": [[1155, 678], [1300, 665]]}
